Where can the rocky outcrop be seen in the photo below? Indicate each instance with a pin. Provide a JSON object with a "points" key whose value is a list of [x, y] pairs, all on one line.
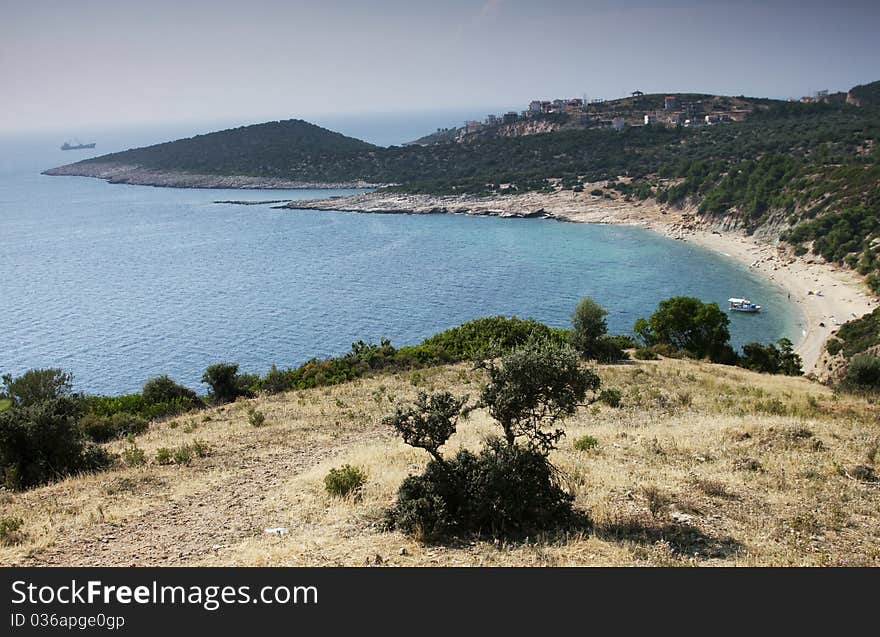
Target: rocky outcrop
{"points": [[137, 175]]}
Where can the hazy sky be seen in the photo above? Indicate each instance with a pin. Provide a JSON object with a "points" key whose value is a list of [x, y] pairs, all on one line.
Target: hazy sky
{"points": [[68, 63]]}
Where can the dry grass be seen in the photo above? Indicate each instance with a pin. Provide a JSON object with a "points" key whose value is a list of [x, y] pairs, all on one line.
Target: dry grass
{"points": [[701, 465]]}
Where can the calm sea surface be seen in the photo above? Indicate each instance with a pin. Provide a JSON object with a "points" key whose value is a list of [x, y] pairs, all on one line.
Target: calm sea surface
{"points": [[119, 283]]}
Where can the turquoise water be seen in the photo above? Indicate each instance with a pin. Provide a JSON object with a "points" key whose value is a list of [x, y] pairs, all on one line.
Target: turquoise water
{"points": [[118, 283]]}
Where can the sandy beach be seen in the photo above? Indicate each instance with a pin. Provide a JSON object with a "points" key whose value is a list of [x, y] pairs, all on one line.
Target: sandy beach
{"points": [[827, 295]]}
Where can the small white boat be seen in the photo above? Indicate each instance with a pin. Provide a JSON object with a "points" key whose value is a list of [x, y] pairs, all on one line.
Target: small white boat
{"points": [[742, 305]]}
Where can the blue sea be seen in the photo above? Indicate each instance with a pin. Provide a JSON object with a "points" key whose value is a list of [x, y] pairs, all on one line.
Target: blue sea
{"points": [[119, 283]]}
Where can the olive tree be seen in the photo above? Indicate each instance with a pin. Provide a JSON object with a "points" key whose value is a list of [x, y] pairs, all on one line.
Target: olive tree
{"points": [[532, 388]]}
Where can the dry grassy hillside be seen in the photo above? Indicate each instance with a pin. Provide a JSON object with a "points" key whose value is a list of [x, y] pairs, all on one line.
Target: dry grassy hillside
{"points": [[700, 465]]}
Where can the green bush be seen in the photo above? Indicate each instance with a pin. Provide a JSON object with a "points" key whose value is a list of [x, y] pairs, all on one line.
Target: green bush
{"points": [[226, 383], [10, 530], [161, 389], [506, 490], [277, 381], [510, 487], [585, 443], [132, 455], [37, 386], [770, 359], [43, 442], [164, 455], [862, 374], [182, 454], [256, 418], [646, 354], [611, 397], [344, 481], [119, 425]]}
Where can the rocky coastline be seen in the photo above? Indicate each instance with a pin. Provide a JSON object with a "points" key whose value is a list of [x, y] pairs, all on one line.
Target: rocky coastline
{"points": [[137, 175]]}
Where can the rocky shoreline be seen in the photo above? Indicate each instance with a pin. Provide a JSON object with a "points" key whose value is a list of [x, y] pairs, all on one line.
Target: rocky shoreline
{"points": [[140, 176]]}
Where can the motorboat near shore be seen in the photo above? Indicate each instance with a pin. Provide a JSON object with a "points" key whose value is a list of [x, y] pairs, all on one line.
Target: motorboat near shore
{"points": [[742, 305]]}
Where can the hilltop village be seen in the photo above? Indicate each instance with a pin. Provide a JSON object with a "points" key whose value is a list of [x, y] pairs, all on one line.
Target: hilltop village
{"points": [[688, 110]]}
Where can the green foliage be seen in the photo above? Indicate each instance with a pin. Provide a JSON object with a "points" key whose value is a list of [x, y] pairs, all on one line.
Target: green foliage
{"points": [[688, 324], [37, 386], [484, 337], [429, 423], [226, 383], [611, 397], [770, 359], [585, 443], [645, 354], [108, 406], [588, 325], [132, 455], [106, 428], [277, 381], [10, 530], [506, 490], [161, 389], [857, 335], [182, 454], [862, 374], [472, 340], [344, 481], [532, 388], [164, 456], [43, 442], [256, 418]]}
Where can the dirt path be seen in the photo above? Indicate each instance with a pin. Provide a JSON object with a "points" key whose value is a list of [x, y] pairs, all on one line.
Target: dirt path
{"points": [[187, 530]]}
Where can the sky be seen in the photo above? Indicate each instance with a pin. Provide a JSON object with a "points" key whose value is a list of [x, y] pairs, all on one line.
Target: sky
{"points": [[88, 63]]}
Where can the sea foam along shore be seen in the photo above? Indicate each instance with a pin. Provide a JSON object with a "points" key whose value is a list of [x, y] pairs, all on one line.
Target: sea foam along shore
{"points": [[827, 295]]}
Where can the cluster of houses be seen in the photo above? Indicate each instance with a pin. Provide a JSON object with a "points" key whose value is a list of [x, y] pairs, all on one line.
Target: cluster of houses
{"points": [[599, 113]]}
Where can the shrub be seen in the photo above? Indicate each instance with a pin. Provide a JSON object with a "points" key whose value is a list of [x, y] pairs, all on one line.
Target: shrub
{"points": [[344, 481], [646, 354], [509, 487], [585, 443], [10, 530], [505, 490], [226, 383], [256, 418], [182, 454], [37, 386], [862, 374], [277, 381], [161, 389], [132, 455], [43, 442], [623, 341], [611, 397], [103, 428], [533, 387], [770, 359]]}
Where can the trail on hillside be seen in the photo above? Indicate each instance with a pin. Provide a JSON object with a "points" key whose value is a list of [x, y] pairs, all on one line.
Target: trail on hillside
{"points": [[187, 530]]}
